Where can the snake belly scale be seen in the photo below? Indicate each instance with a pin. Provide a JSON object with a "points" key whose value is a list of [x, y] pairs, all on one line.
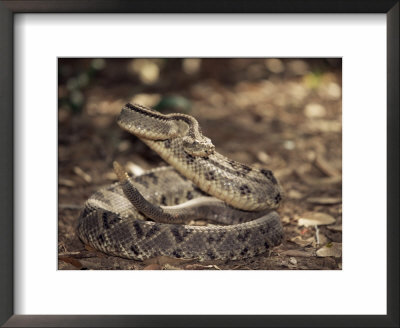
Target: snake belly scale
{"points": [[146, 216]]}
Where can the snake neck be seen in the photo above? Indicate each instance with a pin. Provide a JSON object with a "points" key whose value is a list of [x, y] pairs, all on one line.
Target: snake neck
{"points": [[235, 183]]}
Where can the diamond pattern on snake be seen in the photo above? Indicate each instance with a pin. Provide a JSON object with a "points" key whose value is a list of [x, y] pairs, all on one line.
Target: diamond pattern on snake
{"points": [[146, 216]]}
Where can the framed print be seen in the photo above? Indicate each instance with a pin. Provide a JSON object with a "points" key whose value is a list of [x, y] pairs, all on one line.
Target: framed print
{"points": [[219, 164], [185, 89]]}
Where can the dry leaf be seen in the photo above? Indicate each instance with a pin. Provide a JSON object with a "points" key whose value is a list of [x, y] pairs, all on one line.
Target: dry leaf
{"points": [[314, 110], [170, 267], [282, 173], [110, 175], [302, 242], [325, 167], [315, 218], [71, 260], [335, 227], [324, 200], [331, 249], [66, 182], [79, 172], [294, 194], [263, 157], [135, 169]]}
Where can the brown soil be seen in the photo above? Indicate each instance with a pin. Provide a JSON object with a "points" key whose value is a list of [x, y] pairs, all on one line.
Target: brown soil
{"points": [[284, 115]]}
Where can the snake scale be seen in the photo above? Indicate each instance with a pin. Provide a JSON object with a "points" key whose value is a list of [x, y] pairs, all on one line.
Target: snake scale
{"points": [[146, 216]]}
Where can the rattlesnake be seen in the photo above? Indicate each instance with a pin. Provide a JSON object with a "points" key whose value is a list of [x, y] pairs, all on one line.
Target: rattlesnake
{"points": [[140, 217]]}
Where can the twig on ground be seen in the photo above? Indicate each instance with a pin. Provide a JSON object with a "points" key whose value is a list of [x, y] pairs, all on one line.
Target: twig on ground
{"points": [[317, 234]]}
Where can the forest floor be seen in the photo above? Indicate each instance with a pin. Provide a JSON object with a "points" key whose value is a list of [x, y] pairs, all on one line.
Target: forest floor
{"points": [[286, 118]]}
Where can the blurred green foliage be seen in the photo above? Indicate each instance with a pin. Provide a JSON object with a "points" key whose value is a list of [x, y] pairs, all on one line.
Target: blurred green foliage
{"points": [[173, 102], [73, 95]]}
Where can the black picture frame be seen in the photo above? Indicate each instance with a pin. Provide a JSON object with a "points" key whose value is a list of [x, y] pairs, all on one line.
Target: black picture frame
{"points": [[7, 11]]}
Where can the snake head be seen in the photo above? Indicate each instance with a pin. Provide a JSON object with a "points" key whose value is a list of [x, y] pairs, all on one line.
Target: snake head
{"points": [[202, 147]]}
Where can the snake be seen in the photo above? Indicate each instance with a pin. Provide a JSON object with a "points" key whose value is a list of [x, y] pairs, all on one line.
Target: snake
{"points": [[156, 213]]}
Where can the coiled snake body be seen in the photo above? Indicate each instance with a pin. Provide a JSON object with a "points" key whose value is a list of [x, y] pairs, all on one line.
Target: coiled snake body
{"points": [[144, 216]]}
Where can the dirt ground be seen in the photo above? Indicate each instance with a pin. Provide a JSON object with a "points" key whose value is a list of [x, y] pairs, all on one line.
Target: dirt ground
{"points": [[280, 114]]}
